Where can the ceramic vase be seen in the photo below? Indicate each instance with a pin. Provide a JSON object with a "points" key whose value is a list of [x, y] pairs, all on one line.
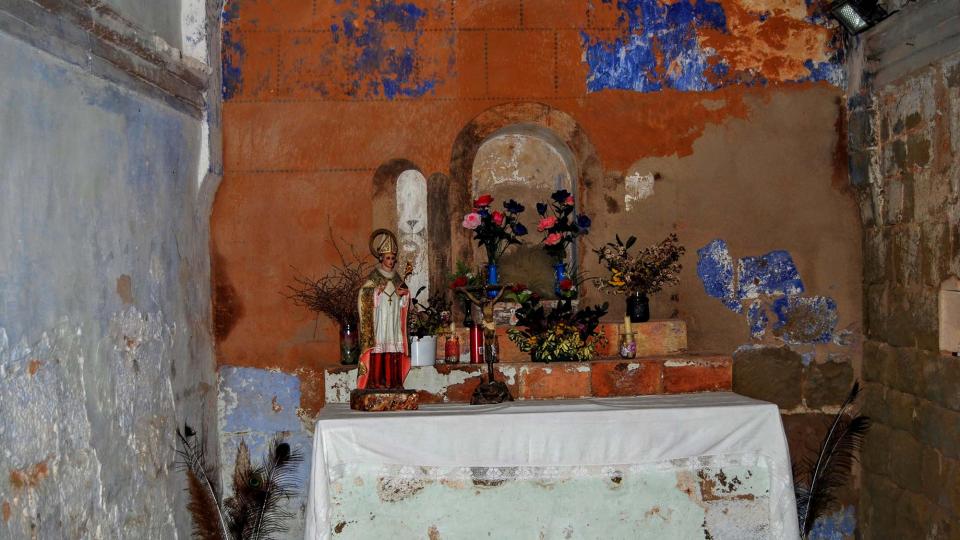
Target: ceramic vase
{"points": [[423, 351]]}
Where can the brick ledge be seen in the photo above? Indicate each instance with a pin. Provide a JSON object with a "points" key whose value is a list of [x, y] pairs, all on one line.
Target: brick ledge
{"points": [[605, 377]]}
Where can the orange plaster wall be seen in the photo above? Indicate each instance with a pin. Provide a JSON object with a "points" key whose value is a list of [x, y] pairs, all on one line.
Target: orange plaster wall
{"points": [[301, 145]]}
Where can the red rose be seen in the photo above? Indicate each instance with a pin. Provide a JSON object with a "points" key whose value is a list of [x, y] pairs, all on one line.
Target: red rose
{"points": [[519, 288], [483, 200], [498, 218], [566, 284], [461, 281]]}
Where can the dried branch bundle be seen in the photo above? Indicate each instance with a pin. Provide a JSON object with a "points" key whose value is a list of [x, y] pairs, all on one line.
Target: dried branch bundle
{"points": [[334, 294]]}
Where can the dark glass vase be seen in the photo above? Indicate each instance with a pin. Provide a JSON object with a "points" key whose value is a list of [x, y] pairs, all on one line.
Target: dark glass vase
{"points": [[349, 343], [638, 307]]}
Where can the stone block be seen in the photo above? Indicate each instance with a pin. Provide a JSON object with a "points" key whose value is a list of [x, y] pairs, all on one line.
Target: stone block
{"points": [[941, 376], [901, 411], [706, 374], [872, 362], [879, 513], [933, 474], [908, 372], [918, 150], [875, 244], [924, 312], [934, 252], [827, 383], [875, 312], [769, 373], [805, 433], [905, 254], [939, 428], [875, 453], [624, 378], [906, 455], [553, 381], [899, 192]]}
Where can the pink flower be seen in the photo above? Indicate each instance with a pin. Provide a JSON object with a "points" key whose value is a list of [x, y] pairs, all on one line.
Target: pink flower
{"points": [[552, 239], [471, 220], [546, 223], [569, 201], [498, 218]]}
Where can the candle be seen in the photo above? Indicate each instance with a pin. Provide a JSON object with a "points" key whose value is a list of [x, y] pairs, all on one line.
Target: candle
{"points": [[626, 325]]}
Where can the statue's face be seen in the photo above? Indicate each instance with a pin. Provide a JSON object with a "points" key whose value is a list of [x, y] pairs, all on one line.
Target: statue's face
{"points": [[388, 260]]}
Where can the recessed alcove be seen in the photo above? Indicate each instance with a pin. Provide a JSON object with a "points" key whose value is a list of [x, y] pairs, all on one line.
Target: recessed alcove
{"points": [[527, 163]]}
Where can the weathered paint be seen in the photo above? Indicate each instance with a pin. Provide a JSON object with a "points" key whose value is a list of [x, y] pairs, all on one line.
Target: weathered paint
{"points": [[296, 133], [772, 274], [679, 499], [839, 525], [773, 283], [104, 347], [255, 406], [701, 45], [715, 268]]}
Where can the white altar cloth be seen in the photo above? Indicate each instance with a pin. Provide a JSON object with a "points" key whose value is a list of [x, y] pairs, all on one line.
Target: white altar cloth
{"points": [[539, 435]]}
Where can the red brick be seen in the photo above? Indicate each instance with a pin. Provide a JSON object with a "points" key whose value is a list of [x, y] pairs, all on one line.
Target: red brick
{"points": [[690, 374], [554, 381], [611, 378]]}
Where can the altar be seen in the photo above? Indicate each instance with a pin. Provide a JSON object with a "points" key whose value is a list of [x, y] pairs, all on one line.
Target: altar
{"points": [[703, 465]]}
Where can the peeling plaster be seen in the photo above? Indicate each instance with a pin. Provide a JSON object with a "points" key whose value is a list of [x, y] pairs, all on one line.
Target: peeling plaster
{"points": [[772, 284], [638, 187], [697, 46]]}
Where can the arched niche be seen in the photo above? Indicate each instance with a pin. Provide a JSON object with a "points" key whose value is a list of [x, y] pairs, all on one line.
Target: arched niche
{"points": [[527, 163], [416, 207], [552, 131]]}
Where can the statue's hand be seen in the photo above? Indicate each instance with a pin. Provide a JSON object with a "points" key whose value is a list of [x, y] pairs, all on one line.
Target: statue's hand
{"points": [[403, 291]]}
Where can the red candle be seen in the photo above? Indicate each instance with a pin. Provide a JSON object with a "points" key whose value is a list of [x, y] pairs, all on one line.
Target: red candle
{"points": [[476, 345]]}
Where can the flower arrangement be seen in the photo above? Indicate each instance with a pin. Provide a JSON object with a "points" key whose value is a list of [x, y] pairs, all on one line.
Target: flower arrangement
{"points": [[464, 276], [562, 335], [650, 270], [560, 227], [431, 319], [493, 229]]}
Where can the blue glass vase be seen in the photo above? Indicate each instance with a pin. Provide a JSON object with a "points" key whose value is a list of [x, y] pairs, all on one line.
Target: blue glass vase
{"points": [[493, 279], [559, 274]]}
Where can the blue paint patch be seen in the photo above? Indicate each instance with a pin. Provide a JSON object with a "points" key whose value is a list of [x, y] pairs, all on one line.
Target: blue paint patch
{"points": [[837, 526], [757, 316], [805, 319], [715, 269], [772, 274], [231, 61], [257, 400], [830, 71], [379, 69], [661, 50], [231, 11]]}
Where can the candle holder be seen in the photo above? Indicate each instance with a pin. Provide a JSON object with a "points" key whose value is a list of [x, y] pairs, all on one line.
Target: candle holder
{"points": [[485, 297]]}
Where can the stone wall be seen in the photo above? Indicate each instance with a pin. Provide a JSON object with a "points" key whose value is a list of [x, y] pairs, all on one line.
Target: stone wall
{"points": [[905, 163], [104, 276]]}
